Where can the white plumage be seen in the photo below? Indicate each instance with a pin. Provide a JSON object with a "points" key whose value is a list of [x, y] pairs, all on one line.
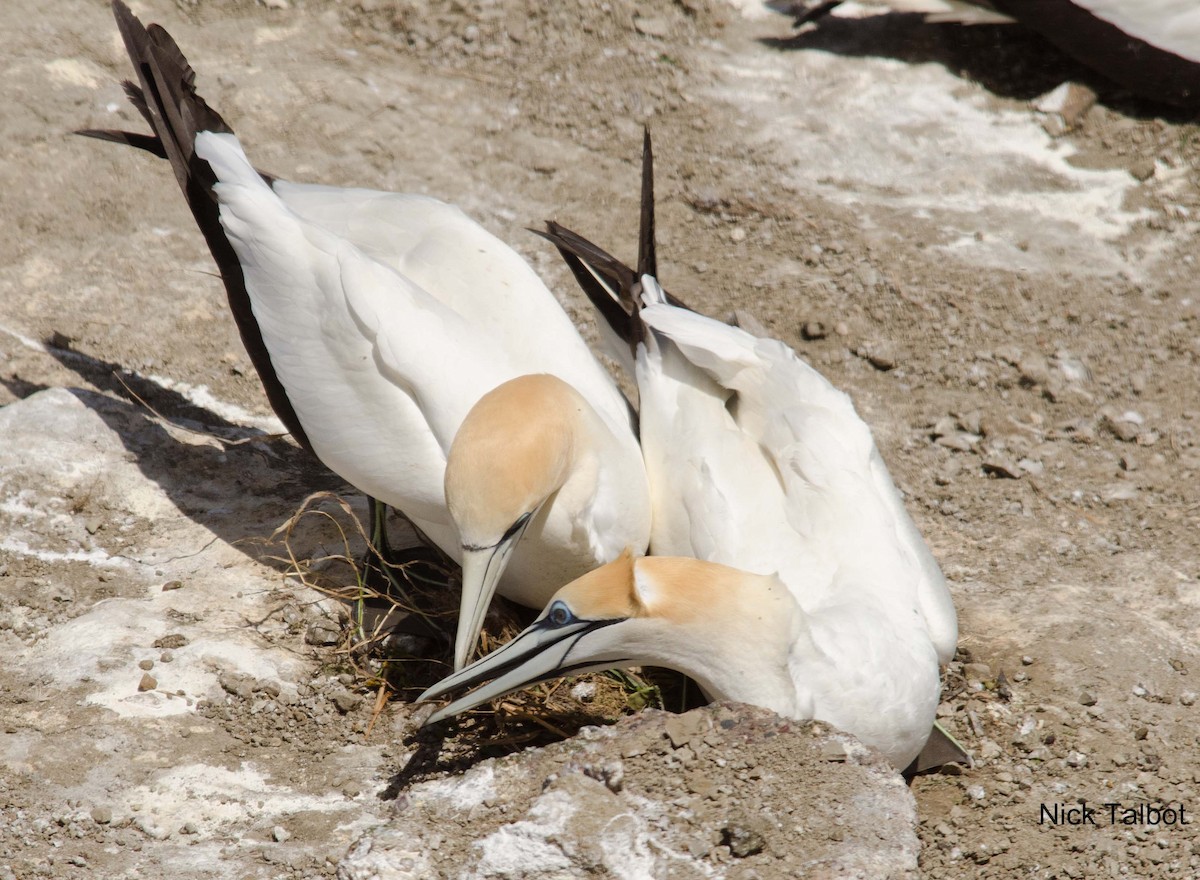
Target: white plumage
{"points": [[808, 589], [383, 325]]}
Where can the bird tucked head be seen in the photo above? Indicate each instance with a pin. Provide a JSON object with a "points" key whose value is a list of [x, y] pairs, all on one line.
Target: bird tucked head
{"points": [[512, 453], [728, 629]]}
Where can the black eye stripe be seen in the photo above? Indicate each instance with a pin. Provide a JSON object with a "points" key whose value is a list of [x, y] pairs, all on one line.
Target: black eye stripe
{"points": [[517, 526]]}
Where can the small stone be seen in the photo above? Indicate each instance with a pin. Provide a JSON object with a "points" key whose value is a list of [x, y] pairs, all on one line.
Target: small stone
{"points": [[172, 585], [652, 27], [236, 685], [1001, 466], [146, 665], [813, 330], [1034, 370], [1142, 170], [345, 700], [101, 815], [1124, 430], [323, 633], [93, 524], [971, 422], [881, 355], [280, 834], [841, 328], [1187, 698], [1026, 660], [976, 792], [1087, 698], [173, 641], [1076, 759], [737, 235], [959, 442], [189, 828], [977, 671], [166, 657], [742, 839], [584, 691], [148, 682], [1141, 733], [681, 729], [833, 751]]}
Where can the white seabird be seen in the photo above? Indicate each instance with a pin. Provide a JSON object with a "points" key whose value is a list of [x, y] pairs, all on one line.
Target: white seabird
{"points": [[785, 569], [385, 326]]}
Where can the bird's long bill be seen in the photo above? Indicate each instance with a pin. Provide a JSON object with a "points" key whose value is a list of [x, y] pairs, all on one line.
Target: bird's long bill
{"points": [[540, 652], [481, 570]]}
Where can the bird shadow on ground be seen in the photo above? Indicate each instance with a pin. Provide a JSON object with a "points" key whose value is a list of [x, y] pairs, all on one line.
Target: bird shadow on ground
{"points": [[1008, 60], [237, 482]]}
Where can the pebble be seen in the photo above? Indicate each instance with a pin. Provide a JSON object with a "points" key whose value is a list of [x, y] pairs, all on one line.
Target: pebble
{"points": [[742, 839], [976, 792], [101, 815], [813, 330], [323, 633], [146, 665], [345, 700], [1187, 698], [189, 828], [959, 442], [652, 27], [172, 641], [148, 682], [1076, 759], [1001, 466], [978, 671], [1026, 660], [1087, 698], [280, 834], [881, 355], [172, 585], [1124, 430], [584, 691], [1142, 170]]}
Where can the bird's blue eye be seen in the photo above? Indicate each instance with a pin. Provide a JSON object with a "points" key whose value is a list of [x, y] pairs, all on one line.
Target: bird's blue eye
{"points": [[560, 614]]}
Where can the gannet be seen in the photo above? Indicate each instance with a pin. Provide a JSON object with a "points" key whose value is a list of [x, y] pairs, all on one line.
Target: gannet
{"points": [[1149, 46], [785, 571], [417, 355]]}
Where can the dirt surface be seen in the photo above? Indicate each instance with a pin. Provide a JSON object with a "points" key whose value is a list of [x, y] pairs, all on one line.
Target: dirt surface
{"points": [[1016, 315]]}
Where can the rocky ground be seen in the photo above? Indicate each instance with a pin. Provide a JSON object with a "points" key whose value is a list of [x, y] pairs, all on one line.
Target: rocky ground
{"points": [[1008, 293]]}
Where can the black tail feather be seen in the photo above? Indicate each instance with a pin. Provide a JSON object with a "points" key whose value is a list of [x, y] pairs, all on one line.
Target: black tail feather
{"points": [[166, 98], [611, 285], [647, 256]]}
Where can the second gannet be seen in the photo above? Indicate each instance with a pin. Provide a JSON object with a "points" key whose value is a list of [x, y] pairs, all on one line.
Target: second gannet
{"points": [[786, 571], [416, 354]]}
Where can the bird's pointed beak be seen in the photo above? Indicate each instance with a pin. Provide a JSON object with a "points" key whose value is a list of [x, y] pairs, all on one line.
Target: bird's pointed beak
{"points": [[540, 652], [481, 570]]}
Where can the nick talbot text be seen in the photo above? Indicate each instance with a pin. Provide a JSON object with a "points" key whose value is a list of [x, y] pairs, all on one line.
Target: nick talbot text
{"points": [[1084, 813]]}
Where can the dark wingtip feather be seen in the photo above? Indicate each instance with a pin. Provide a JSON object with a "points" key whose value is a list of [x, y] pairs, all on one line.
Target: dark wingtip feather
{"points": [[166, 98], [147, 142], [647, 257]]}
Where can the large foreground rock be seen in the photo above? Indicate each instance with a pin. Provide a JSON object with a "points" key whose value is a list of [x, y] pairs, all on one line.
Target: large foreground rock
{"points": [[723, 791]]}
